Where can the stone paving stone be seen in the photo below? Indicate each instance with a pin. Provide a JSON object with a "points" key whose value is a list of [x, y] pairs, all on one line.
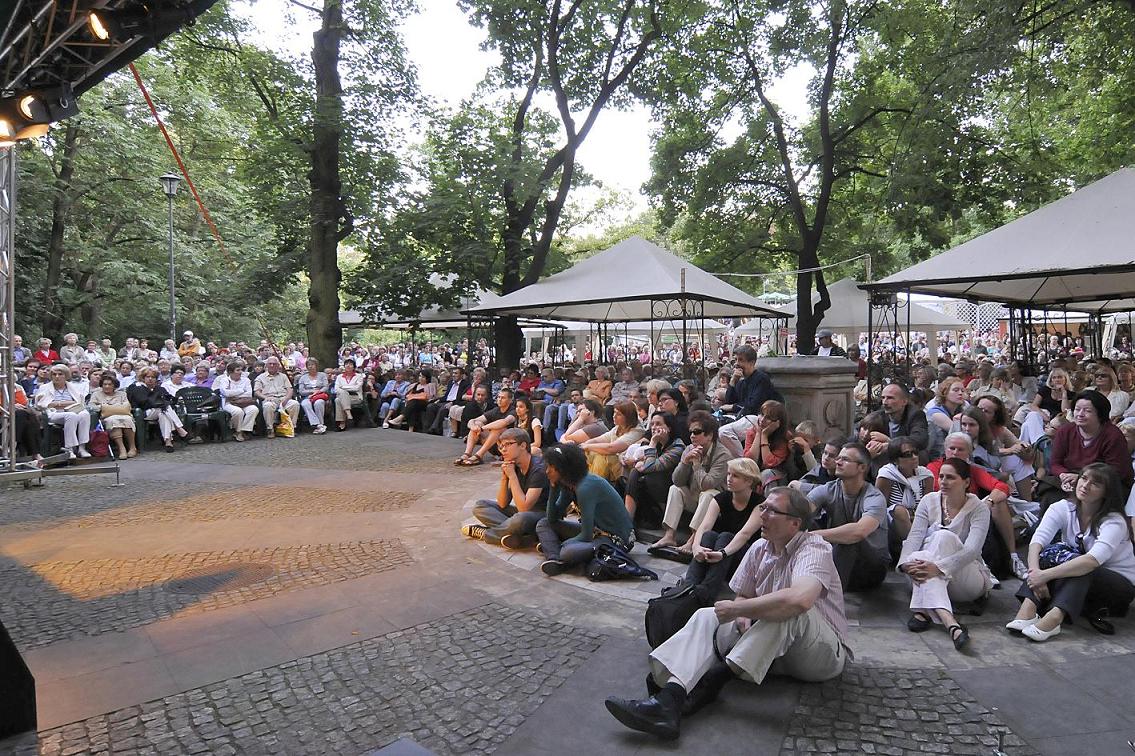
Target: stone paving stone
{"points": [[52, 601], [896, 712], [461, 684], [78, 504]]}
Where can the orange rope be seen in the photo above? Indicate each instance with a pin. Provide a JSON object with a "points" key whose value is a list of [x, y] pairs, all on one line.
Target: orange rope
{"points": [[193, 188]]}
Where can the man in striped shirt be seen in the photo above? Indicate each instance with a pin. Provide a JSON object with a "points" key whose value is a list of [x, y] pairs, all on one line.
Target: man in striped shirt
{"points": [[787, 615]]}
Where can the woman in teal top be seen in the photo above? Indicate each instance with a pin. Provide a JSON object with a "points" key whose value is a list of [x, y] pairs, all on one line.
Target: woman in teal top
{"points": [[602, 516]]}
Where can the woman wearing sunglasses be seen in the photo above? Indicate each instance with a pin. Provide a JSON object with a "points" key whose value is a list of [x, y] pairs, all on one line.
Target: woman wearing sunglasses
{"points": [[1089, 570], [942, 554]]}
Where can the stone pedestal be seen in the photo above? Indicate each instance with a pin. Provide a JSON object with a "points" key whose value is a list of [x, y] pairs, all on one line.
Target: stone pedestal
{"points": [[815, 388]]}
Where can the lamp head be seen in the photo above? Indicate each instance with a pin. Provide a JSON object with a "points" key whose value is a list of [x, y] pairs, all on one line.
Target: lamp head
{"points": [[170, 182]]}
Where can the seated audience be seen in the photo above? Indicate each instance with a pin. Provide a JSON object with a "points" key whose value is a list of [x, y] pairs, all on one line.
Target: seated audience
{"points": [[942, 553], [587, 425], [649, 478], [274, 389], [749, 389], [941, 413], [1080, 559], [348, 391], [766, 443], [903, 482], [904, 418], [417, 397], [486, 429], [478, 405], [312, 389], [602, 452], [114, 410], [787, 618], [236, 399], [1015, 457], [527, 421], [823, 471], [1090, 437], [392, 396]]}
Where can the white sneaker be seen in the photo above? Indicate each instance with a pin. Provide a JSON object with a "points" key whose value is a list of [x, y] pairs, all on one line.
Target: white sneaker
{"points": [[319, 429], [83, 451], [1020, 569]]}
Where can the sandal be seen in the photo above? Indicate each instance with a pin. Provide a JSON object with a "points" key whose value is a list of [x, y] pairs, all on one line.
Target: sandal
{"points": [[960, 637], [919, 623], [473, 461], [461, 460]]}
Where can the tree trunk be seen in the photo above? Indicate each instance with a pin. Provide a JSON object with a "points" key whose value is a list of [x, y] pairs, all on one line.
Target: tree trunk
{"points": [[53, 319], [91, 308], [507, 335], [809, 316], [324, 336]]}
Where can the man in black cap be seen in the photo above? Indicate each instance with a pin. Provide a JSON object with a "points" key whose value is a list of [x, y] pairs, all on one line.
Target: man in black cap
{"points": [[825, 347]]}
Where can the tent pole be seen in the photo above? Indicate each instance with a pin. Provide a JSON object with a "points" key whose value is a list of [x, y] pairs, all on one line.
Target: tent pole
{"points": [[870, 343]]}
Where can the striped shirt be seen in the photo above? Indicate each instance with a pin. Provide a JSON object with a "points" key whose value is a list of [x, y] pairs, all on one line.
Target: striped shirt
{"points": [[762, 571]]}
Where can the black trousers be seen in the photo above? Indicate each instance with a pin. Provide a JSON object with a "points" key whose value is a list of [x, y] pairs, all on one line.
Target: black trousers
{"points": [[714, 576], [860, 567], [413, 413], [27, 433], [649, 492], [1085, 595]]}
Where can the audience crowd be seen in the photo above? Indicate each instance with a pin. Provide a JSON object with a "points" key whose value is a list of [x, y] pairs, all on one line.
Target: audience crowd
{"points": [[951, 473]]}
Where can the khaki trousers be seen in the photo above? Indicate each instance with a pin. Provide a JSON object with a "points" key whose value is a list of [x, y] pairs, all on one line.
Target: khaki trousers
{"points": [[271, 407], [680, 499], [804, 647]]}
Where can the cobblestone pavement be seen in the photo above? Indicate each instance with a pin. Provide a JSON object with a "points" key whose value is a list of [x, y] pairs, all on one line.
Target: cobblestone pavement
{"points": [[53, 601], [80, 505], [896, 712], [439, 683]]}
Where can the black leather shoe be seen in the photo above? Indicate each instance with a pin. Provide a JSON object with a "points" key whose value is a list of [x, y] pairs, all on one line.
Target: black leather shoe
{"points": [[650, 716]]}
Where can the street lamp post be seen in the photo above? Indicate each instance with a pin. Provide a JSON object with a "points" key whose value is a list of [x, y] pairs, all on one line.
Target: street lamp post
{"points": [[170, 182]]}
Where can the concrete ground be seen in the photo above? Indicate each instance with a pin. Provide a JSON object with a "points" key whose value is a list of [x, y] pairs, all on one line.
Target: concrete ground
{"points": [[314, 595]]}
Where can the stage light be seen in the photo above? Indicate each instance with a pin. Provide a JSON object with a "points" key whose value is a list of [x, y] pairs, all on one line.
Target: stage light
{"points": [[96, 22], [122, 24], [7, 133]]}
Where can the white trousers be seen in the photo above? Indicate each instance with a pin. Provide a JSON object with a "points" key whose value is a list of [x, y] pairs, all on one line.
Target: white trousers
{"points": [[1033, 427], [681, 499], [732, 436], [167, 421], [76, 426], [805, 647], [242, 419], [291, 406], [314, 410], [939, 592]]}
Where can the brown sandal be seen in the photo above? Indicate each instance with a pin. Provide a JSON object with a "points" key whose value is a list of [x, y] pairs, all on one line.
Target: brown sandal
{"points": [[473, 461]]}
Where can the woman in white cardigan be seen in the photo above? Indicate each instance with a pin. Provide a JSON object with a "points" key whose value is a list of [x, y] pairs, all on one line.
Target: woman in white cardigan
{"points": [[942, 554], [64, 403]]}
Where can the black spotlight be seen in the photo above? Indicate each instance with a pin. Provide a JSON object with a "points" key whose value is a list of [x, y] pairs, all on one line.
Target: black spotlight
{"points": [[146, 19]]}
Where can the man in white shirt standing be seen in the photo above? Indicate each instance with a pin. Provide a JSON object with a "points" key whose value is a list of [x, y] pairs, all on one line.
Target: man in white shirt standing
{"points": [[275, 390]]}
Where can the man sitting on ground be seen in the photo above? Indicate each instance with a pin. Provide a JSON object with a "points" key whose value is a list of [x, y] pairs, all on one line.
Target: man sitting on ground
{"points": [[905, 418], [787, 618], [748, 390], [437, 411], [274, 389], [856, 521], [522, 498], [486, 429]]}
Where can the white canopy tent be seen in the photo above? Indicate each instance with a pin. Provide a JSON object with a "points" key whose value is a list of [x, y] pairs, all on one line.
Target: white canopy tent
{"points": [[1078, 251], [634, 280]]}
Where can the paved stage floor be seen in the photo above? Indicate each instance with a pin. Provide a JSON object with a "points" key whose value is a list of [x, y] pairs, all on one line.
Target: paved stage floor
{"points": [[314, 595]]}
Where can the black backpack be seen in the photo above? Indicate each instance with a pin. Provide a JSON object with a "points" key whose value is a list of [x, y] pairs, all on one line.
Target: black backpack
{"points": [[669, 613], [612, 563]]}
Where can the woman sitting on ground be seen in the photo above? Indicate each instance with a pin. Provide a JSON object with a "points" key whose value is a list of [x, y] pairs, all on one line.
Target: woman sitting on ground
{"points": [[155, 401], [1090, 570], [942, 554], [1015, 457], [600, 388], [904, 482], [766, 443], [311, 388], [63, 402], [874, 434], [1054, 398], [114, 409], [1107, 383], [730, 524], [972, 422], [602, 516], [1090, 437], [699, 476], [603, 452], [649, 479]]}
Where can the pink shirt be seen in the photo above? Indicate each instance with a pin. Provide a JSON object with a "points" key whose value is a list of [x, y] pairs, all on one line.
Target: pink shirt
{"points": [[807, 555]]}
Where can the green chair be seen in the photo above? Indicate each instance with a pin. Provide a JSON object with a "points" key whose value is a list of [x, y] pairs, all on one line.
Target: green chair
{"points": [[197, 405]]}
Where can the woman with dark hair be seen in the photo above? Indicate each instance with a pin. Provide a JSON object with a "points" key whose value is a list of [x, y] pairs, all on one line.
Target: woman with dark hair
{"points": [[903, 482], [649, 479], [114, 409], [942, 553], [527, 421], [348, 390], [155, 402], [766, 443], [417, 397], [673, 402], [1013, 455], [874, 433], [1090, 437], [1089, 570], [972, 422], [602, 516], [603, 452]]}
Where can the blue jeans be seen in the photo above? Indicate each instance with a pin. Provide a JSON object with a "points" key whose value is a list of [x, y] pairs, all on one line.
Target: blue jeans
{"points": [[552, 415], [567, 414], [388, 407], [501, 522], [553, 534]]}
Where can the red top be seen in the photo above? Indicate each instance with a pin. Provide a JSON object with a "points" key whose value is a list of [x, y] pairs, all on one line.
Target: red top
{"points": [[1069, 454], [980, 479], [528, 385], [49, 356], [770, 456]]}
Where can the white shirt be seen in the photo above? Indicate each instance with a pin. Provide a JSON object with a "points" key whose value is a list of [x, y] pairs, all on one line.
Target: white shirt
{"points": [[231, 389], [1111, 548]]}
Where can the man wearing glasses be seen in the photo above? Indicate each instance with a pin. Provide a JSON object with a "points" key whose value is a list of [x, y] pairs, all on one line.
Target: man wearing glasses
{"points": [[787, 617], [856, 521], [522, 499]]}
